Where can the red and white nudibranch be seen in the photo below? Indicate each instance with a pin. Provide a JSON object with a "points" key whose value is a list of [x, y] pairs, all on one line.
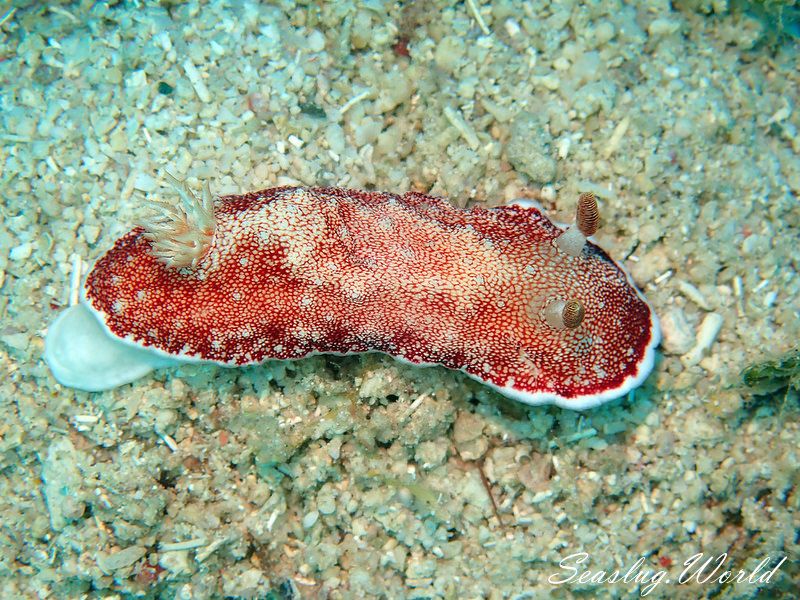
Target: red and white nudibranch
{"points": [[538, 313]]}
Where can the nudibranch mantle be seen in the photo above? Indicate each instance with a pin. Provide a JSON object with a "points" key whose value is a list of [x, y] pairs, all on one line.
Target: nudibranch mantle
{"points": [[503, 294]]}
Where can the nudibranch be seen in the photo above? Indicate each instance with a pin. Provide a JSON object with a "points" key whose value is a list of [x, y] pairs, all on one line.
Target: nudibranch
{"points": [[534, 311]]}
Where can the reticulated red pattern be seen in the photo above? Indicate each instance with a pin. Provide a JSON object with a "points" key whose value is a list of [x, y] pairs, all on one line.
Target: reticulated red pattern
{"points": [[295, 271]]}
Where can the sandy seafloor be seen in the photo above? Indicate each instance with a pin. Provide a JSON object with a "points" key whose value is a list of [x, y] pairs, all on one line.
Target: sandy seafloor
{"points": [[350, 477]]}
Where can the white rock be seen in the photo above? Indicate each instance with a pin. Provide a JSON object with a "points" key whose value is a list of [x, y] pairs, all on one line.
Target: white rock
{"points": [[678, 335], [316, 41], [61, 483], [21, 252], [663, 27], [310, 519], [120, 559], [706, 336], [144, 182]]}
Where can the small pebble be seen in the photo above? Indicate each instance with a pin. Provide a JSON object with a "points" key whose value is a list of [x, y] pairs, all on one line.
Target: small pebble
{"points": [[315, 41], [122, 558], [326, 504], [310, 519], [145, 183], [21, 252], [663, 27], [678, 335], [693, 294]]}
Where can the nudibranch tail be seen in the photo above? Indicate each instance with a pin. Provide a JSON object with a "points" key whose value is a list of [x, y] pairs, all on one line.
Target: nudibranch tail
{"points": [[587, 218], [181, 233], [84, 355]]}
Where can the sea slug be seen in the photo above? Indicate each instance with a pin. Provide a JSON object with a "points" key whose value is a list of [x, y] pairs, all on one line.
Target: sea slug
{"points": [[538, 313]]}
